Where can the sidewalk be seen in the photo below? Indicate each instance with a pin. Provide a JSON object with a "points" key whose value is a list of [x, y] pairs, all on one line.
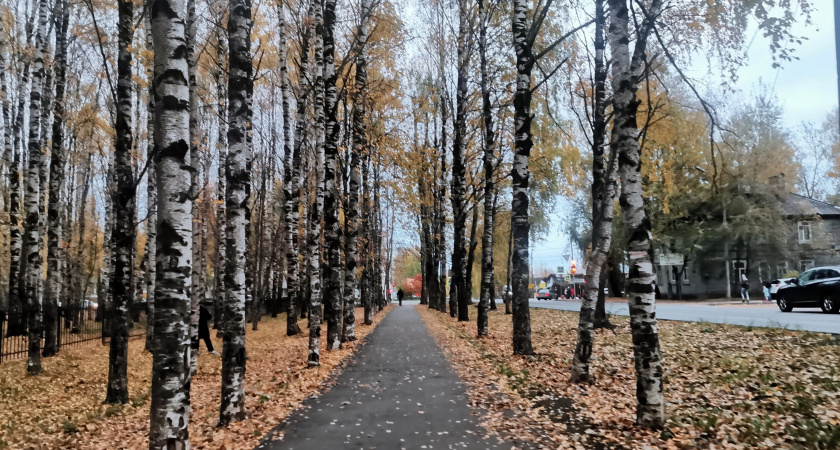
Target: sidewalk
{"points": [[399, 392]]}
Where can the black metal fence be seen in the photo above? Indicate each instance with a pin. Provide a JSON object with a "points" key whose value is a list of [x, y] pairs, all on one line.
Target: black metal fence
{"points": [[77, 326]]}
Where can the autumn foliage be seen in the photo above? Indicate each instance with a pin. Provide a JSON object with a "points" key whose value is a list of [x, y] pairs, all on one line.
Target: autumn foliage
{"points": [[413, 285]]}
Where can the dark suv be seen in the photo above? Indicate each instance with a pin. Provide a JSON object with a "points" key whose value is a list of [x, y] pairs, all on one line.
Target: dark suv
{"points": [[819, 286]]}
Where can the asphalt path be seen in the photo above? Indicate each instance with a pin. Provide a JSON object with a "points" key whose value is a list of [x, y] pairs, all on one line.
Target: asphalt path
{"points": [[756, 314], [398, 393]]}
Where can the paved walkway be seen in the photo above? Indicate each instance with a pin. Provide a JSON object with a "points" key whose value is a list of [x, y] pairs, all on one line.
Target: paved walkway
{"points": [[399, 392]]}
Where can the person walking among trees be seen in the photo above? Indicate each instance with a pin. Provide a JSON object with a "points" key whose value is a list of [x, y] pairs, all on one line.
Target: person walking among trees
{"points": [[203, 328], [400, 295], [745, 289]]}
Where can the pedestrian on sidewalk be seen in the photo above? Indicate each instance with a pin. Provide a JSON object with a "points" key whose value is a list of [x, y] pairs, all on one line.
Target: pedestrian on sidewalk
{"points": [[204, 317], [400, 295], [766, 291], [745, 289]]}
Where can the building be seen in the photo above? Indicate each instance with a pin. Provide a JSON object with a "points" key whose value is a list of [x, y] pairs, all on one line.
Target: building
{"points": [[807, 239]]}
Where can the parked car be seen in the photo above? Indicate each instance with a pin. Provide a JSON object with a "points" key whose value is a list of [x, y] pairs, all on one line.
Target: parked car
{"points": [[776, 284], [819, 286], [545, 294]]}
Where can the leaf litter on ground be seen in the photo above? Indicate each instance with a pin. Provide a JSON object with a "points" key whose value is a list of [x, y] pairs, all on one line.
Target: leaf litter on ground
{"points": [[725, 386], [62, 408]]}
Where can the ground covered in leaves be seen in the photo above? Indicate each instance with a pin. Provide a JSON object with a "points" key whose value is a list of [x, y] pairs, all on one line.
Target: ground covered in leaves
{"points": [[62, 408], [725, 386]]}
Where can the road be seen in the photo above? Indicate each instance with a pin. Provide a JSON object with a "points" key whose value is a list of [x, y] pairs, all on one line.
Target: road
{"points": [[758, 315]]}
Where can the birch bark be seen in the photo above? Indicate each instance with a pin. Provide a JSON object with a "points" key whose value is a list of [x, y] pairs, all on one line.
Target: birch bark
{"points": [[196, 287], [358, 148], [317, 207], [650, 408], [238, 177], [291, 183], [332, 237], [55, 253], [458, 285], [489, 185], [603, 195], [31, 269], [170, 405], [520, 175], [151, 194], [122, 237]]}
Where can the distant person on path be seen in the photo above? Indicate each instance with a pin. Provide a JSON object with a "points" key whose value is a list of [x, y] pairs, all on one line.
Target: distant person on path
{"points": [[745, 289], [766, 291], [400, 295], [204, 317]]}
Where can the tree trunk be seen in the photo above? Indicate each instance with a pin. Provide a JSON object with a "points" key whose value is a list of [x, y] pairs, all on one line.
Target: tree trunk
{"points": [[358, 149], [17, 305], [122, 237], [520, 228], [288, 150], [32, 264], [103, 289], [317, 207], [489, 185], [47, 310], [291, 184], [55, 253], [238, 177], [470, 255], [8, 147], [220, 75], [650, 409], [332, 238], [195, 288], [458, 290], [441, 213], [601, 320], [170, 407], [603, 193], [151, 196]]}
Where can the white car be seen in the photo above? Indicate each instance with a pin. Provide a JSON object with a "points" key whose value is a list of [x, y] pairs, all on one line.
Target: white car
{"points": [[776, 284]]}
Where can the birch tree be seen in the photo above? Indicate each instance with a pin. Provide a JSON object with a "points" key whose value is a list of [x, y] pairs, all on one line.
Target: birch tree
{"points": [[170, 407], [332, 239], [524, 36], [55, 252], [489, 186], [238, 176], [353, 205], [291, 184], [151, 192], [317, 207], [603, 195], [458, 287], [31, 270], [123, 234], [196, 289]]}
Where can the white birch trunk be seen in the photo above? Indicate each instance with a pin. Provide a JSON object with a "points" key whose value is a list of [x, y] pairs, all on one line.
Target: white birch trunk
{"points": [[170, 407], [32, 263], [238, 177]]}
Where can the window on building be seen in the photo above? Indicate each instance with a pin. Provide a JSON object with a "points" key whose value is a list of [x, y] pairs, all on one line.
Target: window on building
{"points": [[782, 269], [806, 264], [804, 232], [672, 276]]}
